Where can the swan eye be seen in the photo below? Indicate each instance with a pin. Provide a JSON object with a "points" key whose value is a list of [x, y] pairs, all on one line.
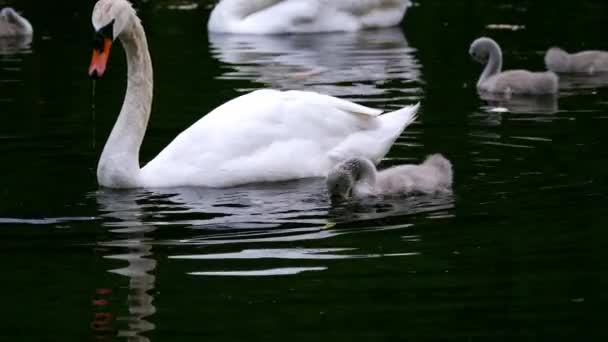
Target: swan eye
{"points": [[102, 42], [106, 32], [98, 42]]}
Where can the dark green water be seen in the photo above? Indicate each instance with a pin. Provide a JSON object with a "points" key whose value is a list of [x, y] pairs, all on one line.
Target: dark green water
{"points": [[518, 252]]}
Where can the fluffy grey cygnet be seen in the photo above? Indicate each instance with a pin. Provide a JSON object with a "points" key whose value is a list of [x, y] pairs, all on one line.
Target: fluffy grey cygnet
{"points": [[518, 82], [357, 177], [584, 62], [14, 25]]}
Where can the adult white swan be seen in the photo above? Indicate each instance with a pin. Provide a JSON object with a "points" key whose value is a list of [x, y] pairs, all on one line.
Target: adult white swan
{"points": [[266, 135], [304, 16]]}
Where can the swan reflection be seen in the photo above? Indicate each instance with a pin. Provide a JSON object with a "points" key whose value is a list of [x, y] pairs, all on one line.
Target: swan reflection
{"points": [[278, 212], [367, 63], [303, 204], [133, 247], [15, 45], [545, 104], [571, 82]]}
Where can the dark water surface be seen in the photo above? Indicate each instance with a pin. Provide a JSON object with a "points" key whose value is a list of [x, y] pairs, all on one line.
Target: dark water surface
{"points": [[518, 252]]}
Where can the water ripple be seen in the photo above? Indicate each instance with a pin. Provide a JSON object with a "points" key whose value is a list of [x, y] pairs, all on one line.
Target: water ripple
{"points": [[261, 273]]}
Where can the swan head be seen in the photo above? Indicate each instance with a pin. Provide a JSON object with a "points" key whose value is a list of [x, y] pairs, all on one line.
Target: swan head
{"points": [[480, 49], [110, 18], [557, 60]]}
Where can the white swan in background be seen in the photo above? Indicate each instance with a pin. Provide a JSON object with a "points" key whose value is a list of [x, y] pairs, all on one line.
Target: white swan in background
{"points": [[14, 25], [304, 16], [266, 135], [357, 177], [584, 62], [512, 82], [324, 62]]}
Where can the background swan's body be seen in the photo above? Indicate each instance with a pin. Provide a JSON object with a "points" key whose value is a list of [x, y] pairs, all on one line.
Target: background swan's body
{"points": [[358, 177], [304, 16], [14, 25], [584, 62], [494, 80], [266, 135]]}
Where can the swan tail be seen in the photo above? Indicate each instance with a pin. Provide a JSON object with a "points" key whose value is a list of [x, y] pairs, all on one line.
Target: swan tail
{"points": [[401, 118]]}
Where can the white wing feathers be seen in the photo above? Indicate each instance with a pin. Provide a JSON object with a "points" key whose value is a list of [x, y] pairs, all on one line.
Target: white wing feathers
{"points": [[335, 102]]}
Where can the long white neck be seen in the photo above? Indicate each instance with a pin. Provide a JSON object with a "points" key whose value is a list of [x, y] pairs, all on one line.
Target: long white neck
{"points": [[119, 163], [494, 65]]}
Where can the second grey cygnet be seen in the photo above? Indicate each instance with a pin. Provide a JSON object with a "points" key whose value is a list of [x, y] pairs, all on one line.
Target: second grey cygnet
{"points": [[584, 62], [512, 82]]}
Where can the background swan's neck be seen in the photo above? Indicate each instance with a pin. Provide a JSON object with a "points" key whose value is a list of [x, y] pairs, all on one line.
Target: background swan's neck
{"points": [[119, 163], [494, 65]]}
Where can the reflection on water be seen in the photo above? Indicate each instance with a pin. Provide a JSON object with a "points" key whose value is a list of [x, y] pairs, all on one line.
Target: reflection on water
{"points": [[365, 64], [15, 45], [277, 214], [261, 273], [257, 206], [546, 104], [135, 249], [571, 82], [290, 205]]}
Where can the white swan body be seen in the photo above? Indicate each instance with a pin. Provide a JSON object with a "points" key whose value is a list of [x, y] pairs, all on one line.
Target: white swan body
{"points": [[14, 25], [304, 16], [584, 62], [516, 82], [266, 135], [357, 177]]}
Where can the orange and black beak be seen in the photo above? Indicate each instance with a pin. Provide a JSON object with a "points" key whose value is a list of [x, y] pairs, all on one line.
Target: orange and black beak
{"points": [[99, 61], [102, 43]]}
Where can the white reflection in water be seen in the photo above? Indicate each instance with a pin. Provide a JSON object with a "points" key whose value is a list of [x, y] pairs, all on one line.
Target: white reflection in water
{"points": [[547, 104], [304, 203], [364, 64], [15, 45], [288, 253], [261, 273], [136, 250], [275, 213]]}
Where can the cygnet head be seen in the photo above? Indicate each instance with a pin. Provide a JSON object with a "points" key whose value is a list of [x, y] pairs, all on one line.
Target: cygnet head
{"points": [[481, 48], [342, 179], [110, 18], [557, 60], [443, 166]]}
